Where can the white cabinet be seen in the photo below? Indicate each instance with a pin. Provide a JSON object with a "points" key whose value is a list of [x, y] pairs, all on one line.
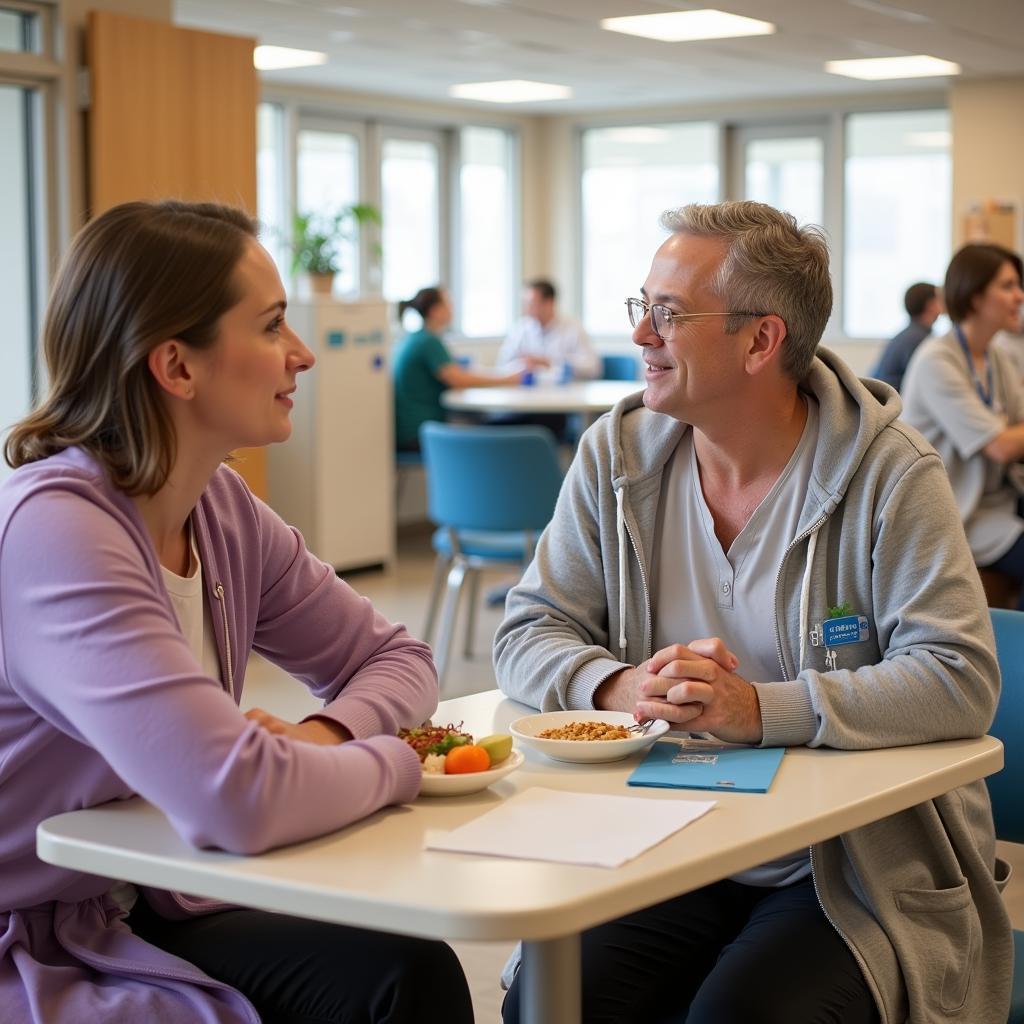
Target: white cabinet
{"points": [[334, 478]]}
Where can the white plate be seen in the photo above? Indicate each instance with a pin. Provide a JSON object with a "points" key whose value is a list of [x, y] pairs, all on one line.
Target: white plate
{"points": [[525, 730], [469, 782]]}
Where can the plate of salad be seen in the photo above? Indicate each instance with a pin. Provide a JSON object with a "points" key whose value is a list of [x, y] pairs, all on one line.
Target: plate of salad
{"points": [[454, 764]]}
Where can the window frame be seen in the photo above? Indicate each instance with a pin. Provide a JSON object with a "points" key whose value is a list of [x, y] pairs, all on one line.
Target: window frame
{"points": [[579, 289], [833, 157], [38, 73], [368, 275], [841, 131], [447, 237], [514, 206], [376, 121], [735, 118]]}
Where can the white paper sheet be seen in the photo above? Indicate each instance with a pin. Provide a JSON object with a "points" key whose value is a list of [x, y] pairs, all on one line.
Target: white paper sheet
{"points": [[571, 828]]}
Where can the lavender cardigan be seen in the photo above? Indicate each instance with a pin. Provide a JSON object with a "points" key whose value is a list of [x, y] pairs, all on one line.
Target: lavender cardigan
{"points": [[101, 698]]}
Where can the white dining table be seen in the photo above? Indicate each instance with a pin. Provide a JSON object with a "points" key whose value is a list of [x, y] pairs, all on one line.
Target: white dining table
{"points": [[586, 398], [378, 874]]}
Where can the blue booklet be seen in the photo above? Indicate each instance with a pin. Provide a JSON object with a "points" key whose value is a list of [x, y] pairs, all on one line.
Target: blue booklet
{"points": [[703, 764]]}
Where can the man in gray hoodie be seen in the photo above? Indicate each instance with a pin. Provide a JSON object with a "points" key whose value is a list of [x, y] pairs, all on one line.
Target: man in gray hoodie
{"points": [[719, 540]]}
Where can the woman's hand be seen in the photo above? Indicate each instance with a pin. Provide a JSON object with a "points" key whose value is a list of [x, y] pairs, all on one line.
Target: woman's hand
{"points": [[695, 686], [315, 730]]}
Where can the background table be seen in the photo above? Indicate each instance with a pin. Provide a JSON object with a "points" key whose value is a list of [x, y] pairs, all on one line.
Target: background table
{"points": [[586, 398], [377, 874]]}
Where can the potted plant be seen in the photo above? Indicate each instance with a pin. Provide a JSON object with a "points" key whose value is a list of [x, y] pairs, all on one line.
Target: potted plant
{"points": [[317, 239]]}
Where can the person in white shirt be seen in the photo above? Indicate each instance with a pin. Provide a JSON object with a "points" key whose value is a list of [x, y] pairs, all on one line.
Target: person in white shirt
{"points": [[556, 348]]}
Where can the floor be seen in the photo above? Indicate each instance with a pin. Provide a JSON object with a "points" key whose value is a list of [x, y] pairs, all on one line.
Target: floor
{"points": [[401, 593]]}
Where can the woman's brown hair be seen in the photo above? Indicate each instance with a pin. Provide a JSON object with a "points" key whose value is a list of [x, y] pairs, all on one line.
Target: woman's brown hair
{"points": [[137, 275], [971, 270], [423, 301]]}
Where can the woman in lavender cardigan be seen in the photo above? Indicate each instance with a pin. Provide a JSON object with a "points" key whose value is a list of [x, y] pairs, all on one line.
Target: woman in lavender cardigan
{"points": [[136, 574]]}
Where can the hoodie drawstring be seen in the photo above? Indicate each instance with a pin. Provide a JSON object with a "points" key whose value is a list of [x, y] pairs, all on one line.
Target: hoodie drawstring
{"points": [[805, 597], [620, 526]]}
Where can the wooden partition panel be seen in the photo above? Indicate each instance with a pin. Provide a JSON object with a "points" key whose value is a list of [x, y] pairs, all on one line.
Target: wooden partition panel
{"points": [[172, 115]]}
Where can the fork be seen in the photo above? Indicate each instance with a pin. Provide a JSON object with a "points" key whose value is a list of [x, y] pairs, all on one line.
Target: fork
{"points": [[641, 728]]}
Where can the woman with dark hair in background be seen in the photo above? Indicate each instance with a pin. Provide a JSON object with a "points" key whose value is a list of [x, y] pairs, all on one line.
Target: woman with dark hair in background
{"points": [[964, 395], [136, 574], [424, 368]]}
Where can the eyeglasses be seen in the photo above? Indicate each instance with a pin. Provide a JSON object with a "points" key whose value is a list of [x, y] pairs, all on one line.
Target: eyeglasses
{"points": [[663, 320]]}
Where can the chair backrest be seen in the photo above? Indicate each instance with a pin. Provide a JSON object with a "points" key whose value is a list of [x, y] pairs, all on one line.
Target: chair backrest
{"points": [[490, 478], [1006, 786], [620, 367]]}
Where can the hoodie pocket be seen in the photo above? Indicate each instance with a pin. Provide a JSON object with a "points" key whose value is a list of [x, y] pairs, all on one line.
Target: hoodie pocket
{"points": [[943, 935]]}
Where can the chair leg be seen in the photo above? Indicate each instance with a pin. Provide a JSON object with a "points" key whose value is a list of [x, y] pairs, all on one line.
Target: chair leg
{"points": [[446, 634], [441, 567], [472, 596]]}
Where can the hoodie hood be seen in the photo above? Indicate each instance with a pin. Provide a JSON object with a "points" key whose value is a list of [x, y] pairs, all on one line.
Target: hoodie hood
{"points": [[894, 550], [856, 411]]}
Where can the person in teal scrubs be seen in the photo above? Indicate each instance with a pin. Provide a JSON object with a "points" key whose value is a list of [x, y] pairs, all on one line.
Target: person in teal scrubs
{"points": [[424, 368]]}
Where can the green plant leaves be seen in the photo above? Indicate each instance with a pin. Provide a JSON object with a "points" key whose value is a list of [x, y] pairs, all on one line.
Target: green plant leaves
{"points": [[317, 237]]}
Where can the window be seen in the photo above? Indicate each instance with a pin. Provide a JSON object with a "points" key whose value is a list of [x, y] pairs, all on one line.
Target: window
{"points": [[327, 181], [410, 180], [631, 175], [448, 199], [18, 254], [27, 198], [19, 31], [487, 238], [787, 172], [897, 214], [271, 208]]}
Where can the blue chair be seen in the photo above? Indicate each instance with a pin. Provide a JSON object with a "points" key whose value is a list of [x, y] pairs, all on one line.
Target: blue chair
{"points": [[1005, 787], [491, 490], [620, 367]]}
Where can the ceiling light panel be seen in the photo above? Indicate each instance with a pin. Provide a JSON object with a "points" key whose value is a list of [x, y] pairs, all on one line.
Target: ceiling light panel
{"points": [[687, 26], [512, 91], [273, 58], [876, 69]]}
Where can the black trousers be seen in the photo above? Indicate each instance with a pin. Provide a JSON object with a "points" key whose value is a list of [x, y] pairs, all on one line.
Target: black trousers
{"points": [[307, 972], [725, 954]]}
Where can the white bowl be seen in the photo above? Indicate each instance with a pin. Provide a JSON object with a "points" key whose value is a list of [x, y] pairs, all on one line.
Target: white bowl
{"points": [[469, 782], [525, 730]]}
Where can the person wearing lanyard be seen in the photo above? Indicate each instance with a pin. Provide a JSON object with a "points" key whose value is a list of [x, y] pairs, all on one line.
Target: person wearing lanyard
{"points": [[964, 395]]}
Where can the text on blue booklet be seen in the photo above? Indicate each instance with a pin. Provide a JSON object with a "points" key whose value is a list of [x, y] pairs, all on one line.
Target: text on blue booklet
{"points": [[700, 764]]}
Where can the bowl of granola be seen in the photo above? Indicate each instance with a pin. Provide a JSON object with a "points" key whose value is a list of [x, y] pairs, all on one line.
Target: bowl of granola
{"points": [[584, 736]]}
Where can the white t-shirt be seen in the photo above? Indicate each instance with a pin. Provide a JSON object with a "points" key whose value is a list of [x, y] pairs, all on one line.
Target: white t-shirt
{"points": [[563, 341], [193, 612], [700, 591]]}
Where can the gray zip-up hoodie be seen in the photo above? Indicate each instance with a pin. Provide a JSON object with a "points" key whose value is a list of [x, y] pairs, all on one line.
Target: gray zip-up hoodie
{"points": [[915, 895]]}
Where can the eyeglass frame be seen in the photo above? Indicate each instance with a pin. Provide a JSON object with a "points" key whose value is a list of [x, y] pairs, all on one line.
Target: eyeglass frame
{"points": [[649, 307]]}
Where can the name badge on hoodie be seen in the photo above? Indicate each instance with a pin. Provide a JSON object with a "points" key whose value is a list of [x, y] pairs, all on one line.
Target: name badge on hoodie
{"points": [[847, 629], [837, 632]]}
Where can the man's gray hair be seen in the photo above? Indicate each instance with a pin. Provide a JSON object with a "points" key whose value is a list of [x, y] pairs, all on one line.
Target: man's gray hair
{"points": [[772, 265]]}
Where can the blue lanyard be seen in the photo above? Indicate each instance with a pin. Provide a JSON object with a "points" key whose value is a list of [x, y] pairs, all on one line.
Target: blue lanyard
{"points": [[985, 394]]}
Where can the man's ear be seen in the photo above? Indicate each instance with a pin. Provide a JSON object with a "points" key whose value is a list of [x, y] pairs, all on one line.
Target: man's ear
{"points": [[765, 348], [171, 368]]}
